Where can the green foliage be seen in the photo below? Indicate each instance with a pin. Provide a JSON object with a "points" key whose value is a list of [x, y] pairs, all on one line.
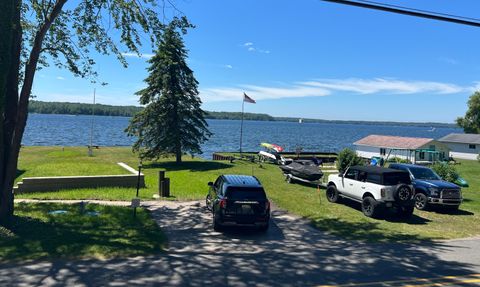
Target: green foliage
{"points": [[445, 171], [81, 109], [398, 160], [238, 116], [172, 121], [471, 122], [346, 158], [87, 26]]}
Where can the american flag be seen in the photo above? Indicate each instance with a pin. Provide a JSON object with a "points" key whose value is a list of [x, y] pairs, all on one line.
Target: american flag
{"points": [[248, 99]]}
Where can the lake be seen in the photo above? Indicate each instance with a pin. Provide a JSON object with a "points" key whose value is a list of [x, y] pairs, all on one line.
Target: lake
{"points": [[68, 130]]}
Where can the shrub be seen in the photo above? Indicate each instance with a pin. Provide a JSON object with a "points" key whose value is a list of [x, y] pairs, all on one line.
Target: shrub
{"points": [[399, 160], [347, 157], [445, 171]]}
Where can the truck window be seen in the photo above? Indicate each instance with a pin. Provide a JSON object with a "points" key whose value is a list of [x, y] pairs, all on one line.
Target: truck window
{"points": [[244, 193], [395, 178], [351, 174], [374, 178]]}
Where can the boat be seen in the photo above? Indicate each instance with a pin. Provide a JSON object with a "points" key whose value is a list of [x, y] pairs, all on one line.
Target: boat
{"points": [[300, 121], [304, 169]]}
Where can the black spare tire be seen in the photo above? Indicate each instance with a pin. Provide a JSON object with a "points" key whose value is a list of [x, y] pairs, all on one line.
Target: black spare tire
{"points": [[403, 193]]}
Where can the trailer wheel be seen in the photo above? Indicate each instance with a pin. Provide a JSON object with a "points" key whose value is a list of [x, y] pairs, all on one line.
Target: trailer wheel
{"points": [[290, 179]]}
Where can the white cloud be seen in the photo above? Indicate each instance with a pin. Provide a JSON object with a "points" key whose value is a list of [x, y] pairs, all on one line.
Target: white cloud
{"points": [[134, 55], [60, 78], [251, 48], [326, 87], [378, 85], [228, 66]]}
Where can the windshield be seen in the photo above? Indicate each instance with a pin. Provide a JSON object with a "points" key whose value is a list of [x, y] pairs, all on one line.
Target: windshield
{"points": [[244, 193], [395, 178], [424, 173]]}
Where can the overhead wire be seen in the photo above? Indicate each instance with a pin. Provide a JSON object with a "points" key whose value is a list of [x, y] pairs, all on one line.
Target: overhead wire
{"points": [[410, 11]]}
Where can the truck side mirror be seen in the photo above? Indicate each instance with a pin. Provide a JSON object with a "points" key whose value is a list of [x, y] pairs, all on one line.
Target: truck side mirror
{"points": [[210, 183]]}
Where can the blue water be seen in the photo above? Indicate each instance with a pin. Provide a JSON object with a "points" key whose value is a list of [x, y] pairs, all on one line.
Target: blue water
{"points": [[66, 130]]}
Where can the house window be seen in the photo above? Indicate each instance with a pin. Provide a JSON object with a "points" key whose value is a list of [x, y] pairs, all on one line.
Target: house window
{"points": [[472, 146], [383, 151], [421, 155]]}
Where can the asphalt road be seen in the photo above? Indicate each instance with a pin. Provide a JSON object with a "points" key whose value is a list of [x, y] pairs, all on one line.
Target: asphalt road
{"points": [[291, 253]]}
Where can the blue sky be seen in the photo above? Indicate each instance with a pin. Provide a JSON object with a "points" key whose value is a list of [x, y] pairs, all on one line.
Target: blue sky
{"points": [[309, 59]]}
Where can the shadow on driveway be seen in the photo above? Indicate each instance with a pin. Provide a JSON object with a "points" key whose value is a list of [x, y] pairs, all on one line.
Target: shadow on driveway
{"points": [[290, 253]]}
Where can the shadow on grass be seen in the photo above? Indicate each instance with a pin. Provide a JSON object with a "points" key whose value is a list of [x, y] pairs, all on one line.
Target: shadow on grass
{"points": [[446, 210], [188, 165], [34, 233], [368, 231], [19, 172]]}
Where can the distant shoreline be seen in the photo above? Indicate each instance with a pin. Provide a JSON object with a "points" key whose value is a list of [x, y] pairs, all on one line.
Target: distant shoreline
{"points": [[61, 108]]}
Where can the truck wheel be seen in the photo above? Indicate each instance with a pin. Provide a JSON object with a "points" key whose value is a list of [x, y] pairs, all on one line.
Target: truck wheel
{"points": [[370, 207], [405, 211], [332, 194], [216, 225], [421, 201], [208, 202], [403, 193]]}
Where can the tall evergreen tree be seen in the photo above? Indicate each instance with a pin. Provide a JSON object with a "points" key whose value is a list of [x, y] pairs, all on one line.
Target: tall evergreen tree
{"points": [[172, 121]]}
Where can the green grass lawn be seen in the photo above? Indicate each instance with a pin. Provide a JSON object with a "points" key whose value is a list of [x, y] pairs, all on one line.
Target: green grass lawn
{"points": [[57, 161], [36, 234], [189, 181]]}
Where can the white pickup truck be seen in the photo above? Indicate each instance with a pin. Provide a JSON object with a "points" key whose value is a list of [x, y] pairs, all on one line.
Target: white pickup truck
{"points": [[376, 188]]}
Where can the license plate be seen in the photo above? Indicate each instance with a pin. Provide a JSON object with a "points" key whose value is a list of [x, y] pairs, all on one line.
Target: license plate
{"points": [[247, 209]]}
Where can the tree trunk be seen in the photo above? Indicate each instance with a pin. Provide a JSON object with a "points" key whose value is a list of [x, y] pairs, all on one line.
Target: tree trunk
{"points": [[16, 106], [9, 97]]}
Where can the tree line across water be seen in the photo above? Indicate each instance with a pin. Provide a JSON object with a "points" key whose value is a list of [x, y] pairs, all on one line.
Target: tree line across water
{"points": [[41, 107]]}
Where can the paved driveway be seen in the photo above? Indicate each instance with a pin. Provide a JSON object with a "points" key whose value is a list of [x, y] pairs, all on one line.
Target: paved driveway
{"points": [[291, 253]]}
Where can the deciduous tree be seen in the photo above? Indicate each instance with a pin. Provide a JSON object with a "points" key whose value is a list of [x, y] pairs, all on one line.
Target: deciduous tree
{"points": [[471, 122], [63, 34], [172, 121]]}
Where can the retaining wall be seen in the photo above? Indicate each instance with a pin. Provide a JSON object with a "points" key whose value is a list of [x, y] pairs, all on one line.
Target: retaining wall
{"points": [[55, 183]]}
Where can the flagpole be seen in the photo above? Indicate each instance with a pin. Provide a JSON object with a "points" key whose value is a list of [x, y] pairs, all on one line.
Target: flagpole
{"points": [[241, 126]]}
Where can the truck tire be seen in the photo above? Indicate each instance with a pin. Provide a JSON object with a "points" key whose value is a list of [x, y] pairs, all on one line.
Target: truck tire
{"points": [[216, 225], [370, 207], [332, 194], [403, 193], [421, 201]]}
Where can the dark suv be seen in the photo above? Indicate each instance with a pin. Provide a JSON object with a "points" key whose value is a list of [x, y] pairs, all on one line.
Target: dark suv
{"points": [[238, 200], [430, 189]]}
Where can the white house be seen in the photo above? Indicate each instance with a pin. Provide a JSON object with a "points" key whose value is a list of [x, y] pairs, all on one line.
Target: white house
{"points": [[416, 150], [465, 146]]}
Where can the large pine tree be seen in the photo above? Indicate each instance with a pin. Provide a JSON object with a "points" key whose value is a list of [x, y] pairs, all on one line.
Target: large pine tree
{"points": [[172, 121]]}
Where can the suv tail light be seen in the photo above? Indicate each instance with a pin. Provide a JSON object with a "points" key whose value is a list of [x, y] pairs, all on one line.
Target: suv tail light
{"points": [[383, 192], [223, 203], [267, 204]]}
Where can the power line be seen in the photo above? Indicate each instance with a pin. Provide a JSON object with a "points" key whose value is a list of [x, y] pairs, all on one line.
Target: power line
{"points": [[410, 12]]}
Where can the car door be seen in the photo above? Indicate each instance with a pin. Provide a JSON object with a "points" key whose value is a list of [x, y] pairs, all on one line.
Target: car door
{"points": [[349, 181]]}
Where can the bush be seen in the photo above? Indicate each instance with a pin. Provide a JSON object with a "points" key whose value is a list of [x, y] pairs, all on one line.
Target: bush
{"points": [[399, 160], [346, 158], [445, 171]]}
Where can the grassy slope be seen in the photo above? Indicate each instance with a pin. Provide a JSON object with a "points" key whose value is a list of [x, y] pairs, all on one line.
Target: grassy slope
{"points": [[38, 234], [189, 182]]}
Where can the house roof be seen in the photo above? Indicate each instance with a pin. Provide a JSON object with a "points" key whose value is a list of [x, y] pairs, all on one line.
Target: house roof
{"points": [[461, 138], [393, 142]]}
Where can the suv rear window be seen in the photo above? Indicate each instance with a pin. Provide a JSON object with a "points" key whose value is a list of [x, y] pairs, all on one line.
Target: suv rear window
{"points": [[241, 193], [395, 178]]}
